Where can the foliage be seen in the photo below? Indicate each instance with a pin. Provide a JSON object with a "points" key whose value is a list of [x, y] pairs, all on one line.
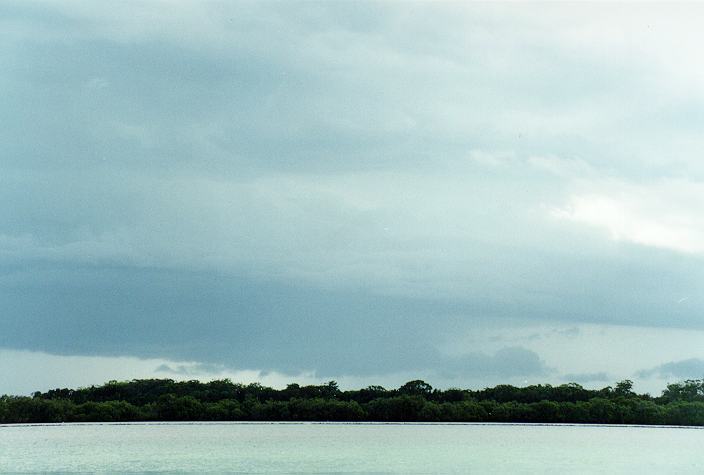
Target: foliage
{"points": [[222, 400]]}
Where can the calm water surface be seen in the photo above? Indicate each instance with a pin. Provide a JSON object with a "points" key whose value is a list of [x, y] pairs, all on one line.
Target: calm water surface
{"points": [[349, 448]]}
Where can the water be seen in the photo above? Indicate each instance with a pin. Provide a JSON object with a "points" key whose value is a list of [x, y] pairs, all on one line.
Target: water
{"points": [[349, 448]]}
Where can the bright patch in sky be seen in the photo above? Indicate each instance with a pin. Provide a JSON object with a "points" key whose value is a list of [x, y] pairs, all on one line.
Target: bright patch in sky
{"points": [[665, 215]]}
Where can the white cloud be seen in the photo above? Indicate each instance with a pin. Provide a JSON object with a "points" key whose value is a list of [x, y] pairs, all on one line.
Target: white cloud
{"points": [[665, 214]]}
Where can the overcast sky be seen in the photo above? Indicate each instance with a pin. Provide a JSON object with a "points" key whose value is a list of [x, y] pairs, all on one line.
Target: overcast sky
{"points": [[367, 192]]}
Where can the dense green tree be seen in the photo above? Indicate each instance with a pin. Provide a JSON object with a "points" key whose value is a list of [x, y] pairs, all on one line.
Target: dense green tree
{"points": [[224, 410], [602, 411], [108, 411], [367, 394], [396, 409], [545, 411], [451, 395], [416, 388], [624, 388], [685, 413], [222, 400], [179, 408], [689, 390]]}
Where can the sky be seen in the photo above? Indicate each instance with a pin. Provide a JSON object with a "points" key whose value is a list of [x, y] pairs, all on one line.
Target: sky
{"points": [[469, 194]]}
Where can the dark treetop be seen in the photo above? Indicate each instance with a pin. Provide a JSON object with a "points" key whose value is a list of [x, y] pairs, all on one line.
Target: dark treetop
{"points": [[223, 400]]}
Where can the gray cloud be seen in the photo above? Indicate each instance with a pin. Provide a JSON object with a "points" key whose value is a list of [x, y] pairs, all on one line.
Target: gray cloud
{"points": [[692, 368], [311, 188], [510, 362]]}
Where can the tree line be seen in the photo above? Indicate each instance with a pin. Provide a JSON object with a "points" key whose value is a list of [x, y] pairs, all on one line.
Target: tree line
{"points": [[222, 400]]}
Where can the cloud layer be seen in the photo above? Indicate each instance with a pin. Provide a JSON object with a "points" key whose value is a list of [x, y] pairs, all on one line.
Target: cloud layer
{"points": [[316, 189]]}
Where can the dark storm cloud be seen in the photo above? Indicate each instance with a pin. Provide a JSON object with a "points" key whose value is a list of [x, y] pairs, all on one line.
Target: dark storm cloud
{"points": [[334, 189], [215, 318], [241, 321]]}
